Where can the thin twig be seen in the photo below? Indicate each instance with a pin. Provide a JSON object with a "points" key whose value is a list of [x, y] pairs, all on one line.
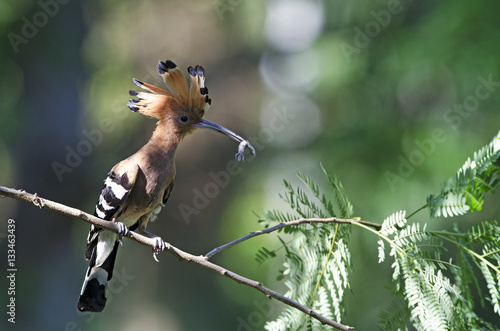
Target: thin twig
{"points": [[290, 223], [174, 251], [416, 211]]}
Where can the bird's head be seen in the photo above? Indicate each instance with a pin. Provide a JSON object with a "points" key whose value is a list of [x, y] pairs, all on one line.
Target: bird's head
{"points": [[183, 105]]}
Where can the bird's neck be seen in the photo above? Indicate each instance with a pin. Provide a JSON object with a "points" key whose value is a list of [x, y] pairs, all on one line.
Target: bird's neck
{"points": [[163, 143]]}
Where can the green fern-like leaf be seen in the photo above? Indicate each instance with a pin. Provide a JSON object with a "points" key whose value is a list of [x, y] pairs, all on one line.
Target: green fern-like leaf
{"points": [[317, 260], [418, 275], [390, 225], [493, 282], [465, 191], [264, 254], [486, 236], [342, 202], [448, 205]]}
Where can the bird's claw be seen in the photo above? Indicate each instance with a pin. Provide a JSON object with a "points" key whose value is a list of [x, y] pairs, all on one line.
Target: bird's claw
{"points": [[240, 157], [123, 231], [159, 247]]}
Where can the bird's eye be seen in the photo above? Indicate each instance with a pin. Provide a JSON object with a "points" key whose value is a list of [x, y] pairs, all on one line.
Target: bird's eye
{"points": [[184, 118]]}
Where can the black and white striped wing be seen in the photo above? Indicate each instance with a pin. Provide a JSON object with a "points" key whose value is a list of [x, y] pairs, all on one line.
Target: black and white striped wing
{"points": [[115, 191]]}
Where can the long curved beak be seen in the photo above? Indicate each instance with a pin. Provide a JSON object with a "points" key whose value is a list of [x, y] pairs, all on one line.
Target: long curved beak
{"points": [[205, 124]]}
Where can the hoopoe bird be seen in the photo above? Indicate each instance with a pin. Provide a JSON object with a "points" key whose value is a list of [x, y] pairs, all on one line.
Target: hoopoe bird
{"points": [[138, 187]]}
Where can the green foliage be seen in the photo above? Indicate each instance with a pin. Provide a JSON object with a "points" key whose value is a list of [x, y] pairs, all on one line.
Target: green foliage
{"points": [[438, 291], [419, 273], [317, 260], [483, 238], [466, 190], [437, 275]]}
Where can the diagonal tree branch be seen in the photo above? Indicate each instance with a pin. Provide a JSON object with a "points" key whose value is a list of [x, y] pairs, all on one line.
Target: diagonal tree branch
{"points": [[290, 223], [174, 251]]}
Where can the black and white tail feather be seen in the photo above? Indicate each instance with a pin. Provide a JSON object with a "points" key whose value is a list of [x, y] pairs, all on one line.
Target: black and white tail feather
{"points": [[102, 245]]}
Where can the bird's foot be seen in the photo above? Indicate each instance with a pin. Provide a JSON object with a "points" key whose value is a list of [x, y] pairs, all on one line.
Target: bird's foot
{"points": [[240, 157], [123, 231], [159, 247]]}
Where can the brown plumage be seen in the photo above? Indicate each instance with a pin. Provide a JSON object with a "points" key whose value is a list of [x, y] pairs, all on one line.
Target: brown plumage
{"points": [[138, 187]]}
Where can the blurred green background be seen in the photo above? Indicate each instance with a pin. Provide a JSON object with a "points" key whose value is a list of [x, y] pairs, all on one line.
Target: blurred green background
{"points": [[359, 86]]}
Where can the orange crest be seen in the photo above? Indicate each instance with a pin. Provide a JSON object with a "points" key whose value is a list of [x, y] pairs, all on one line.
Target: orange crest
{"points": [[180, 98]]}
